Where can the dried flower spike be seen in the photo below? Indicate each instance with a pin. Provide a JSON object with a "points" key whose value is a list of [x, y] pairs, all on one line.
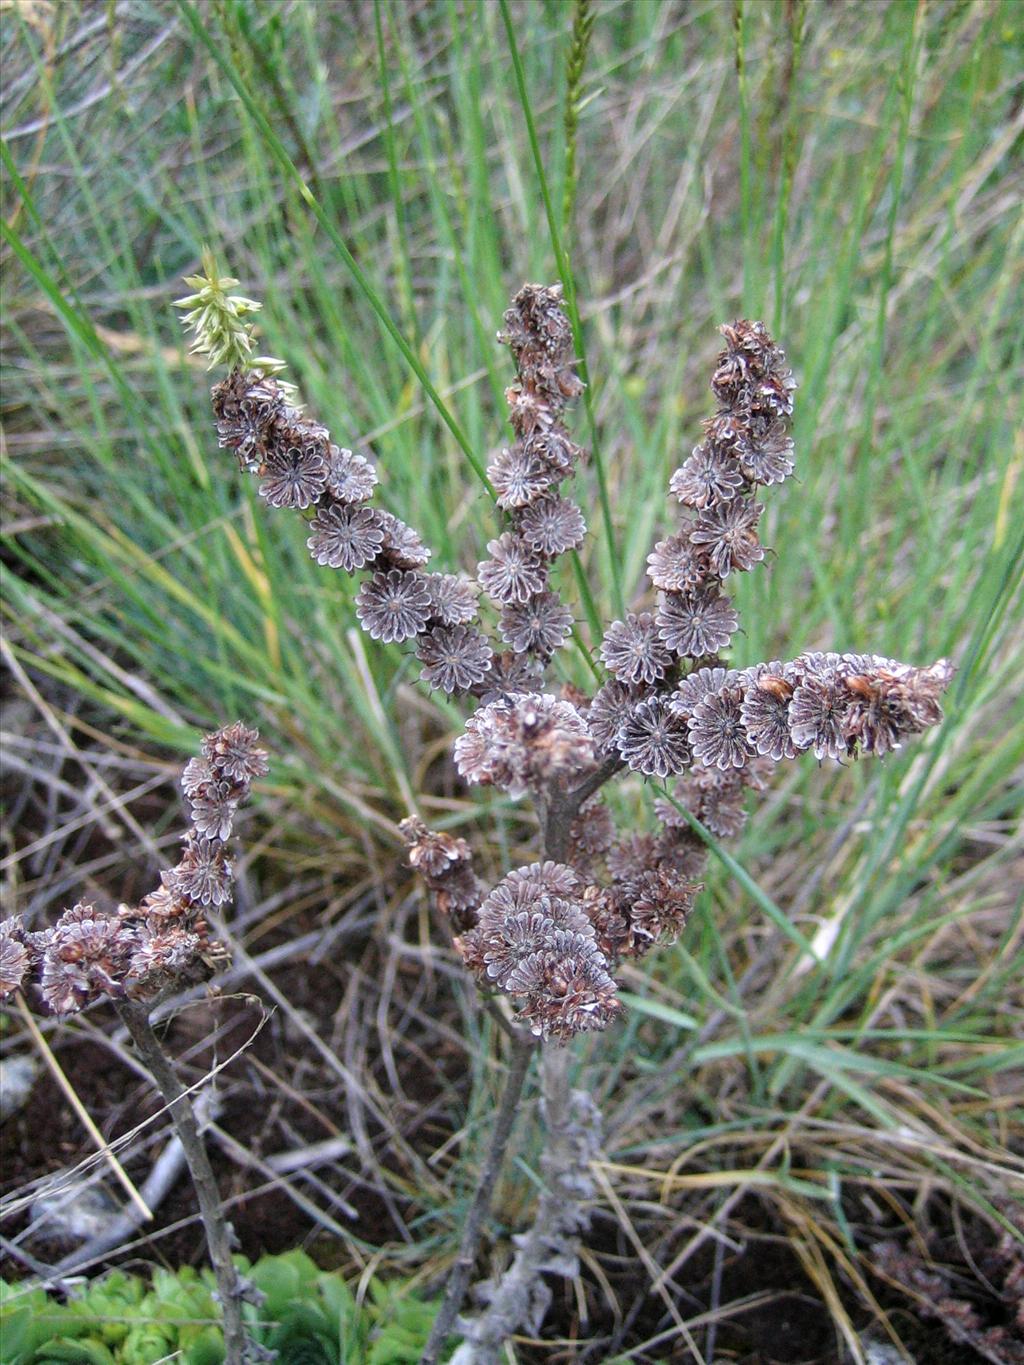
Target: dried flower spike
{"points": [[294, 467], [539, 624], [634, 651], [133, 953], [15, 958], [515, 571], [454, 658], [550, 937], [524, 742], [393, 606], [346, 537]]}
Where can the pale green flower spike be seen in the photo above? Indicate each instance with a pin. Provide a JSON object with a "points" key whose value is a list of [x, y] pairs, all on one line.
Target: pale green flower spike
{"points": [[217, 320]]}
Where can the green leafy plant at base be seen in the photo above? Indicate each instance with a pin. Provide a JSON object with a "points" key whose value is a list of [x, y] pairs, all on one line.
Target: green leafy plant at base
{"points": [[307, 1317]]}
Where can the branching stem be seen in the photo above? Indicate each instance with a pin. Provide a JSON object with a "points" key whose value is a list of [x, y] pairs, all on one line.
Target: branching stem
{"points": [[572, 1124], [558, 810], [581, 794], [519, 1300]]}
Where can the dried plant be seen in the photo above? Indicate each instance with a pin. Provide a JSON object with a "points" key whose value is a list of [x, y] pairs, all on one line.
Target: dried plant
{"points": [[550, 935], [136, 954], [929, 1285]]}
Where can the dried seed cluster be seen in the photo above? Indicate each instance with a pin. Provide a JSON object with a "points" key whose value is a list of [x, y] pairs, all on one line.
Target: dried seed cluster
{"points": [[445, 863], [138, 951], [534, 941], [526, 475], [545, 937], [746, 444], [300, 467], [525, 742], [835, 705], [550, 936]]}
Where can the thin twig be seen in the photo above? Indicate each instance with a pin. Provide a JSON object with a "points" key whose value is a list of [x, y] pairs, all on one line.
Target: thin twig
{"points": [[230, 1288], [523, 1047], [83, 1114], [45, 1274], [165, 1173]]}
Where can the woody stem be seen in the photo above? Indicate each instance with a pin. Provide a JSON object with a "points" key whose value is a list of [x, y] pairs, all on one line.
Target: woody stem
{"points": [[230, 1288], [523, 1046], [573, 1125], [558, 810]]}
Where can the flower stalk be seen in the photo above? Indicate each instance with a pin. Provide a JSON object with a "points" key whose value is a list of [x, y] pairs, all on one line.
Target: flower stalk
{"points": [[520, 1298]]}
